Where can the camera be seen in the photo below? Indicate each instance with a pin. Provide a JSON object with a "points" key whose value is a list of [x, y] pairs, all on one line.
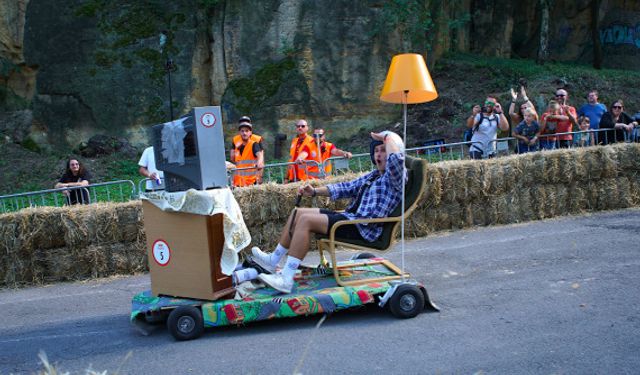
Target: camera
{"points": [[483, 109], [522, 82]]}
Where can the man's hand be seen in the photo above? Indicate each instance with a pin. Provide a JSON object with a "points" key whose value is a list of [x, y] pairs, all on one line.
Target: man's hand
{"points": [[476, 109], [306, 190], [498, 109], [347, 155]]}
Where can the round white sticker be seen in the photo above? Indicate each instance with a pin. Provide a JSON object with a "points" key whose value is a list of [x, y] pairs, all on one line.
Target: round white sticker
{"points": [[161, 252], [208, 120]]}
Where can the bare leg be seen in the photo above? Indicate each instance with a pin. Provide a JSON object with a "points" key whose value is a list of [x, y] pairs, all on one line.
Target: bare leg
{"points": [[284, 236], [307, 224]]}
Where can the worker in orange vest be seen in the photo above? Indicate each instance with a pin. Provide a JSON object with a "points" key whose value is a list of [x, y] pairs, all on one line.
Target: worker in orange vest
{"points": [[299, 152], [321, 151], [247, 152]]}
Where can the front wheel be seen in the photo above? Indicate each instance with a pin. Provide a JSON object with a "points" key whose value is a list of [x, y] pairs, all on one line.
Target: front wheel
{"points": [[406, 302], [185, 323]]}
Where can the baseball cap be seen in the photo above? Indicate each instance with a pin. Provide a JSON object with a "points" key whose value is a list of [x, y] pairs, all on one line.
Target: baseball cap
{"points": [[245, 121]]}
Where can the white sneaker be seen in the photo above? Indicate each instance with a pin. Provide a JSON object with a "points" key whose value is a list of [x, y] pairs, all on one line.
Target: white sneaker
{"points": [[262, 259], [277, 282]]}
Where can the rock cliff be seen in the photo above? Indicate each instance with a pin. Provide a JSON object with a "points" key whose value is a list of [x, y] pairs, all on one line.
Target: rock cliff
{"points": [[81, 73]]}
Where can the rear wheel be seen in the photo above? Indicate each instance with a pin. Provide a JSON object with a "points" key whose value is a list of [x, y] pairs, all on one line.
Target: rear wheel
{"points": [[185, 323], [406, 302]]}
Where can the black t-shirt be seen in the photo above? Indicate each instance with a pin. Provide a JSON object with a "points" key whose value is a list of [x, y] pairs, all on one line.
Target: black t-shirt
{"points": [[78, 195]]}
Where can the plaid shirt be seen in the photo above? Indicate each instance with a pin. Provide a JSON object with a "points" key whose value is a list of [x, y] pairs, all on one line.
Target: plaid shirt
{"points": [[379, 200]]}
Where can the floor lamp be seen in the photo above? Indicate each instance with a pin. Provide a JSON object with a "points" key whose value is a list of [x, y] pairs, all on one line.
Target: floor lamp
{"points": [[408, 82]]}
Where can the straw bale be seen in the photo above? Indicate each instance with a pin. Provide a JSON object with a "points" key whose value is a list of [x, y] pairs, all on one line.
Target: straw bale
{"points": [[525, 205], [634, 189], [625, 198], [448, 216], [552, 166], [579, 165], [130, 223], [567, 165], [512, 173], [577, 201], [628, 157], [453, 181], [602, 162], [480, 216], [532, 166], [473, 179], [538, 199], [493, 183], [434, 187]]}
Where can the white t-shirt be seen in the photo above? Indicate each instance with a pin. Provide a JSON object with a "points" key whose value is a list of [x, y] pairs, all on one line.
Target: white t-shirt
{"points": [[148, 161], [486, 132]]}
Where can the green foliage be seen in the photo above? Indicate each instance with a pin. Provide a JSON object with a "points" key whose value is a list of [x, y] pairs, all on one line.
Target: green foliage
{"points": [[415, 21], [129, 29], [255, 90], [31, 145]]}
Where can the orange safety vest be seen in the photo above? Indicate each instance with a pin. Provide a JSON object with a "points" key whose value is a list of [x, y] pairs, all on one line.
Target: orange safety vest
{"points": [[298, 172], [246, 159], [321, 157]]}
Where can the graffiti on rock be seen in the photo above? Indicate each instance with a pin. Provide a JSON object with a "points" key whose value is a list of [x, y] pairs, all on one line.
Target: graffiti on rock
{"points": [[620, 34]]}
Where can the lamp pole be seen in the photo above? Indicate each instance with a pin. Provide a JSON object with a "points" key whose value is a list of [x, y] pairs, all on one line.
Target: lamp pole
{"points": [[168, 66]]}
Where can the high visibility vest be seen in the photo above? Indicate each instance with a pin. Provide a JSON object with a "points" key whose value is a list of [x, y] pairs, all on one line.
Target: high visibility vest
{"points": [[321, 157], [298, 172], [246, 159]]}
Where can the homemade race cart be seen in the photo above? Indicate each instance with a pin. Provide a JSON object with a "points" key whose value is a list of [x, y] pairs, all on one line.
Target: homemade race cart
{"points": [[331, 286]]}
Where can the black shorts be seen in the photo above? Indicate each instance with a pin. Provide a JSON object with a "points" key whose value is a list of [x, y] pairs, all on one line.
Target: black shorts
{"points": [[350, 232]]}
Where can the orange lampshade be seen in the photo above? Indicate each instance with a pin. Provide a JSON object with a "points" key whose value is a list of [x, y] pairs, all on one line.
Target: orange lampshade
{"points": [[408, 72]]}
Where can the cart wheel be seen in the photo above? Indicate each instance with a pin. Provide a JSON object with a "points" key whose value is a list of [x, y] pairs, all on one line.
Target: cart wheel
{"points": [[185, 323], [406, 302], [363, 256]]}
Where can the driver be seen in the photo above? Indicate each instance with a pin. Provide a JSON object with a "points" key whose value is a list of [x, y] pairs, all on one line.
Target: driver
{"points": [[374, 195]]}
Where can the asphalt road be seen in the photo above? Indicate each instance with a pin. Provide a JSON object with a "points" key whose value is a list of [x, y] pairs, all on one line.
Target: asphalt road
{"points": [[551, 297]]}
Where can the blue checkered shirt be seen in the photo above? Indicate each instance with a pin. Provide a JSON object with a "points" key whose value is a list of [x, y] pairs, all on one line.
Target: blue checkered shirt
{"points": [[382, 197]]}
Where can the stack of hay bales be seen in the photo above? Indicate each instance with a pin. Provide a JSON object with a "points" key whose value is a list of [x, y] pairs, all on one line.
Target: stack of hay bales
{"points": [[527, 187], [46, 244], [72, 243]]}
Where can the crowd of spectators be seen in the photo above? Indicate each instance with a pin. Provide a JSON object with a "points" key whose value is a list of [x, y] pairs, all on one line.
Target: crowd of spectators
{"points": [[559, 126]]}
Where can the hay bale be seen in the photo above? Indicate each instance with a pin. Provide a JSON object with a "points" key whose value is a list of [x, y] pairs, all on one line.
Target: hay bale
{"points": [[634, 189], [567, 162], [130, 223], [538, 199], [625, 198], [480, 216], [562, 199], [532, 165], [433, 190], [512, 173], [473, 179], [552, 166], [453, 178], [628, 157], [525, 208], [577, 200]]}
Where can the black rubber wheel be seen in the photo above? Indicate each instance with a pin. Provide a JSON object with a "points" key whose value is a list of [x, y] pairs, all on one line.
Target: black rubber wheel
{"points": [[406, 302], [363, 256], [185, 323]]}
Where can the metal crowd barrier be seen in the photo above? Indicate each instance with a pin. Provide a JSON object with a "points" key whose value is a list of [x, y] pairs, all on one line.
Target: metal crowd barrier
{"points": [[113, 191]]}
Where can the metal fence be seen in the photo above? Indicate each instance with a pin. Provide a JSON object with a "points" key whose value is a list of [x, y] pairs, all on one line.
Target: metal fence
{"points": [[113, 191], [124, 190]]}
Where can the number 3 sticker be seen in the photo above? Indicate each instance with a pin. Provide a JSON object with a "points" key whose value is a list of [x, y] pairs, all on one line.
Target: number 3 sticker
{"points": [[161, 252]]}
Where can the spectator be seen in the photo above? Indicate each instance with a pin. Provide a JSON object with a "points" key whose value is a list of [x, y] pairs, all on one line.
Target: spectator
{"points": [[593, 110], [374, 195], [148, 169], [299, 151], [620, 123], [527, 132], [585, 137], [549, 126], [326, 150], [75, 175], [567, 118], [518, 117], [484, 123], [247, 152]]}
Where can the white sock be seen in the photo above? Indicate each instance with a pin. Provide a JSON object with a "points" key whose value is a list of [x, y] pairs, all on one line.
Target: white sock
{"points": [[277, 254], [243, 275], [289, 270]]}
